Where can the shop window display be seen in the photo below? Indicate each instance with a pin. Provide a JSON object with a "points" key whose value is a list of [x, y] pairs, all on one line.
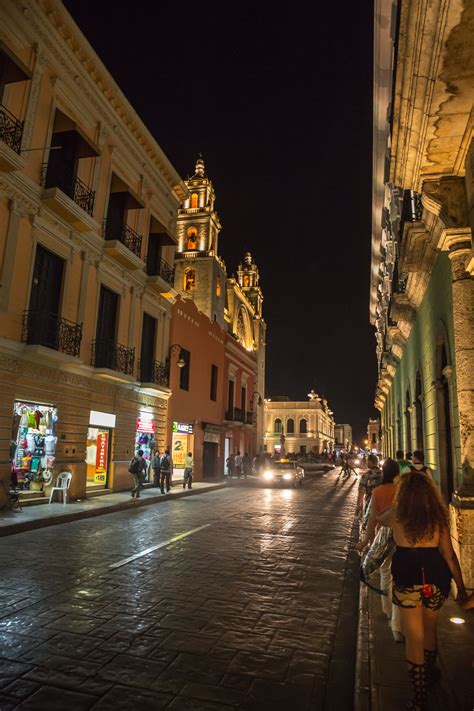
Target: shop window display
{"points": [[97, 456], [145, 439], [33, 445]]}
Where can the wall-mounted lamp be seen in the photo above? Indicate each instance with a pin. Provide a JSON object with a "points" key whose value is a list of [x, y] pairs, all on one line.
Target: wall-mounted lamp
{"points": [[181, 362]]}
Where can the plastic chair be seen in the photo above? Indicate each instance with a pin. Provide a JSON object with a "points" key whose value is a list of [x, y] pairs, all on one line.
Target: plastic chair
{"points": [[62, 484]]}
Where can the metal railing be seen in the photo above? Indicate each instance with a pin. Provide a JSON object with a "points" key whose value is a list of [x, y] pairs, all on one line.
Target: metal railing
{"points": [[52, 331], [126, 235], [162, 269], [235, 414], [154, 372], [250, 418], [108, 354], [74, 188], [11, 129]]}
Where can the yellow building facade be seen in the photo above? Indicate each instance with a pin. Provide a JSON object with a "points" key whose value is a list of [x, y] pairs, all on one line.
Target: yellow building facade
{"points": [[88, 207], [303, 428]]}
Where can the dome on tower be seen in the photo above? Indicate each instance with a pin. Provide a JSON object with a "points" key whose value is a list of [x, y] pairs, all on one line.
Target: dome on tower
{"points": [[199, 170]]}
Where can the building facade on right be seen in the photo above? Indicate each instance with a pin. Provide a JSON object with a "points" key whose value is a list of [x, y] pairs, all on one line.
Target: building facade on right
{"points": [[422, 270]]}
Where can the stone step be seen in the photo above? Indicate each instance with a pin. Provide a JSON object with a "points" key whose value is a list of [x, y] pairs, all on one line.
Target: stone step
{"points": [[90, 492]]}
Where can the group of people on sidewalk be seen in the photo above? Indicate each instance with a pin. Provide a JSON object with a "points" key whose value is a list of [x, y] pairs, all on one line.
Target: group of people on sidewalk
{"points": [[162, 466], [419, 563], [238, 465]]}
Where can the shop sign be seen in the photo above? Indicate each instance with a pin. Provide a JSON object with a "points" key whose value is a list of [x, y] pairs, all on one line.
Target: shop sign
{"points": [[101, 419], [101, 458], [183, 428], [180, 449], [145, 424], [212, 437]]}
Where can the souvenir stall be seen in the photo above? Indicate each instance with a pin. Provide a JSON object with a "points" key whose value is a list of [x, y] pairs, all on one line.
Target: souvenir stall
{"points": [[33, 445], [145, 439]]}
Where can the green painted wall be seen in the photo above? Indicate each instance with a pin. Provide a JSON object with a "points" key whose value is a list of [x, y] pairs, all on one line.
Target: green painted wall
{"points": [[434, 320]]}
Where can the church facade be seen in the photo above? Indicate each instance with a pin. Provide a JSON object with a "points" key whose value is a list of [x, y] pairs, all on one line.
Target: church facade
{"points": [[232, 336]]}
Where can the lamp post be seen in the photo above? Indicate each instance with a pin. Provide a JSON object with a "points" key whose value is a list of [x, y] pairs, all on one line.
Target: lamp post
{"points": [[180, 362]]}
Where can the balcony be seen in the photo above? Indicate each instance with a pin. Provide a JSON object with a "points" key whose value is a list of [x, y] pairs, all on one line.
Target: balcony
{"points": [[70, 198], [161, 277], [235, 414], [250, 418], [11, 133], [124, 245], [111, 358], [154, 376], [50, 331]]}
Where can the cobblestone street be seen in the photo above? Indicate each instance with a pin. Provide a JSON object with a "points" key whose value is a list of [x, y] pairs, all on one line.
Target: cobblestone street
{"points": [[256, 609]]}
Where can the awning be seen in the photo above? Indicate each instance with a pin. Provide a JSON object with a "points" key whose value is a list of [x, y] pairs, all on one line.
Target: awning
{"points": [[210, 427], [15, 70], [157, 228], [64, 125], [132, 201]]}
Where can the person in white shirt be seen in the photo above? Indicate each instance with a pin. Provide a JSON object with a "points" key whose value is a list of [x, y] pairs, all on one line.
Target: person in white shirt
{"points": [[238, 464], [188, 471], [419, 463]]}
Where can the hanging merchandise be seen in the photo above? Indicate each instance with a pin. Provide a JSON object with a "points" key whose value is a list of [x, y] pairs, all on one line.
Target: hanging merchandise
{"points": [[32, 440], [145, 438]]}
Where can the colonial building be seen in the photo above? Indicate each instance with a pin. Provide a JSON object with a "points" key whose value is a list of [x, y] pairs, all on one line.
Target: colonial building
{"points": [[343, 436], [373, 436], [218, 331], [422, 276], [301, 427], [88, 206]]}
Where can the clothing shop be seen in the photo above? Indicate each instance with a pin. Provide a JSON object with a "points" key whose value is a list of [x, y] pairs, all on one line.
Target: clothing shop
{"points": [[145, 438], [182, 443], [99, 447], [33, 444]]}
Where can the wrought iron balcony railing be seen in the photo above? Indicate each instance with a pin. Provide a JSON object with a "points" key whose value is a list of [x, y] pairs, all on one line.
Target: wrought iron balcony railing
{"points": [[162, 269], [126, 235], [235, 414], [250, 418], [73, 187], [154, 372], [11, 129], [108, 354], [52, 331]]}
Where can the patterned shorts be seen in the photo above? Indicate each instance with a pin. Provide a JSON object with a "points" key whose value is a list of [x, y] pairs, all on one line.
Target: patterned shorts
{"points": [[413, 597]]}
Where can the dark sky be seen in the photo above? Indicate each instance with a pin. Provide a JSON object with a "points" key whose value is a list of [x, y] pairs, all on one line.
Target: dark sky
{"points": [[278, 99]]}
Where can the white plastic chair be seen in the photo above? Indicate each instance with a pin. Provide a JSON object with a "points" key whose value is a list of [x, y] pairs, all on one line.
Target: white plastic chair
{"points": [[62, 484]]}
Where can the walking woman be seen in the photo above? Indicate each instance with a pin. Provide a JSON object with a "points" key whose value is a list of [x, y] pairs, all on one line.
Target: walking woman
{"points": [[422, 567]]}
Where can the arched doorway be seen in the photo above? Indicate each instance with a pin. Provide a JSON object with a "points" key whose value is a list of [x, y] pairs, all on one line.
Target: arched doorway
{"points": [[445, 425]]}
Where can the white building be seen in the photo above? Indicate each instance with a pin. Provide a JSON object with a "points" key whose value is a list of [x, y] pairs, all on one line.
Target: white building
{"points": [[343, 436], [302, 427]]}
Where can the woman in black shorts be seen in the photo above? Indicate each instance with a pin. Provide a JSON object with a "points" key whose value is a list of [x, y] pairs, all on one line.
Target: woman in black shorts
{"points": [[422, 567]]}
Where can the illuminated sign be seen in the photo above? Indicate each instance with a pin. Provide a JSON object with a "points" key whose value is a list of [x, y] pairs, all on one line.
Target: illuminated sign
{"points": [[183, 428], [101, 419], [145, 425], [101, 457]]}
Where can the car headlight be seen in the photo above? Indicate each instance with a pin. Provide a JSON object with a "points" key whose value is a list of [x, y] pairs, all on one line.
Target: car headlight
{"points": [[287, 476], [268, 475]]}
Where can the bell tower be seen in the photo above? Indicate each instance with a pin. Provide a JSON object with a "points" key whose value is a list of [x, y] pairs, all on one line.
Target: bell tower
{"points": [[200, 273], [248, 278]]}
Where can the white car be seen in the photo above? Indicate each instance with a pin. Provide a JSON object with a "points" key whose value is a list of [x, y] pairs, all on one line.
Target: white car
{"points": [[284, 472]]}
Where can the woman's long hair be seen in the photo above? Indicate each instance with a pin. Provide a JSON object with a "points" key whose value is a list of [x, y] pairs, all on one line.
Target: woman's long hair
{"points": [[419, 507]]}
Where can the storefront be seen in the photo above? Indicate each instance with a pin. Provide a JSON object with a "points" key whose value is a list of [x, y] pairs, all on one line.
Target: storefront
{"points": [[145, 438], [211, 450], [33, 444], [182, 443], [99, 446]]}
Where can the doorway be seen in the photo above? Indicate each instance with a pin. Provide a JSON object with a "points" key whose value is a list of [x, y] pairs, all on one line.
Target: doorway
{"points": [[45, 298], [209, 460], [445, 425]]}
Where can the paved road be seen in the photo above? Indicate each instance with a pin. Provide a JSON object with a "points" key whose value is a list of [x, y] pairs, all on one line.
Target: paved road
{"points": [[254, 611]]}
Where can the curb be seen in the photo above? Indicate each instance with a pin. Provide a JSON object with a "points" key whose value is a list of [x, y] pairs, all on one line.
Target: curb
{"points": [[46, 522], [362, 690]]}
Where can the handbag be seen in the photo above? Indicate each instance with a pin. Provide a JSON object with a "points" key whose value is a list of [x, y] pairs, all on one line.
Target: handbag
{"points": [[382, 546]]}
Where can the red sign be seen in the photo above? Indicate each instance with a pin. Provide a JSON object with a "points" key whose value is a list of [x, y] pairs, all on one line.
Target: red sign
{"points": [[145, 425], [102, 448]]}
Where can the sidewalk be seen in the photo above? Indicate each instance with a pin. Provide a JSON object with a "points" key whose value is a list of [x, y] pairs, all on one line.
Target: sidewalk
{"points": [[34, 517], [383, 681]]}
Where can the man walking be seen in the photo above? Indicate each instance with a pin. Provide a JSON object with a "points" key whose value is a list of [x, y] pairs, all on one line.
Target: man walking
{"points": [[188, 471], [238, 464], [155, 465], [246, 465], [419, 463], [137, 469], [165, 471]]}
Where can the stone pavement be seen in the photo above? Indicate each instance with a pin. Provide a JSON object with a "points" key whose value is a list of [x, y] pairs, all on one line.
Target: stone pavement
{"points": [[256, 610], [383, 677], [43, 515]]}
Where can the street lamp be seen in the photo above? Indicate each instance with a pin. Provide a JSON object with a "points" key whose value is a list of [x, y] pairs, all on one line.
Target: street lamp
{"points": [[181, 362], [259, 401]]}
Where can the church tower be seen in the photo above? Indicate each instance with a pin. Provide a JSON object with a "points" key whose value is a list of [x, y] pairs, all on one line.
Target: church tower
{"points": [[200, 273], [248, 279]]}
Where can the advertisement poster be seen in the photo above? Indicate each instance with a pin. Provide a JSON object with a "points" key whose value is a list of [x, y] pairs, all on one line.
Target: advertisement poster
{"points": [[180, 445], [101, 458]]}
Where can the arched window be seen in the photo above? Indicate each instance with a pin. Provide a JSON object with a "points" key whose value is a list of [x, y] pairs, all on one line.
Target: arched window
{"points": [[194, 200], [218, 287], [192, 236], [290, 427], [189, 279], [419, 412], [303, 426], [277, 426], [408, 421], [246, 280]]}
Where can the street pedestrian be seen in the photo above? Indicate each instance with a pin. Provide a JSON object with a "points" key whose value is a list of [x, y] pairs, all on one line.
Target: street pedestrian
{"points": [[382, 499], [422, 567], [238, 464], [419, 463], [403, 462], [166, 467], [188, 471], [155, 465], [137, 469], [246, 465], [230, 465], [368, 481]]}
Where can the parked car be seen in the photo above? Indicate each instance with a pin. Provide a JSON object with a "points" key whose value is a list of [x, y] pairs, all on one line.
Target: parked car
{"points": [[284, 472]]}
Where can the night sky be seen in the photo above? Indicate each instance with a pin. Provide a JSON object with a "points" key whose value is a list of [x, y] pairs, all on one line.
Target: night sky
{"points": [[279, 102]]}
